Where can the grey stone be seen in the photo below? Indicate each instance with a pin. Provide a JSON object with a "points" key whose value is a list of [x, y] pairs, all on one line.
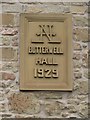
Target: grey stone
{"points": [[24, 103], [83, 87], [53, 108], [83, 110]]}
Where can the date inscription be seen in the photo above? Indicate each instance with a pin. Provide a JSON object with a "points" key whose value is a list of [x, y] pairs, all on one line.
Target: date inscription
{"points": [[45, 73]]}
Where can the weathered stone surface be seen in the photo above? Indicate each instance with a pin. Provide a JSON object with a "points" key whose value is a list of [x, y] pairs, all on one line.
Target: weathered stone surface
{"points": [[82, 97], [1, 96], [33, 9], [24, 103], [15, 41], [72, 108], [9, 40], [54, 9], [14, 8], [10, 1], [2, 107], [78, 9], [81, 34], [85, 59], [0, 76], [17, 19], [83, 87], [80, 21], [77, 64], [78, 3], [75, 85], [83, 110], [28, 1], [46, 8], [7, 53], [78, 75], [1, 66], [65, 114], [4, 41], [85, 46], [77, 46], [6, 115], [8, 76], [73, 101], [49, 95], [26, 116], [76, 56], [9, 31], [86, 74], [5, 85], [7, 19], [53, 108], [1, 41], [10, 66]]}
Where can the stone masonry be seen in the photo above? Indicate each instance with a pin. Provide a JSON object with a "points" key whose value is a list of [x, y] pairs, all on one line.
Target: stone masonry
{"points": [[42, 104]]}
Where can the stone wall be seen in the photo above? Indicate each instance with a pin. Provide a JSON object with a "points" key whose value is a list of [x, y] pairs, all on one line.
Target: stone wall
{"points": [[42, 104]]}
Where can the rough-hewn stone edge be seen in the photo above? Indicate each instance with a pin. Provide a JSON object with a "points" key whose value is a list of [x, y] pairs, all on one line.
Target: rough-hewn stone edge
{"points": [[89, 57], [72, 118]]}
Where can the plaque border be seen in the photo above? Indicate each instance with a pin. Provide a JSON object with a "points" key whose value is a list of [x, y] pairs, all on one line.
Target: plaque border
{"points": [[25, 18]]}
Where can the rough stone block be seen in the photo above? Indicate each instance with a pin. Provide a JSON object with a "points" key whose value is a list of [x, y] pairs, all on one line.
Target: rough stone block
{"points": [[7, 54], [80, 21], [12, 8], [10, 66], [2, 107], [85, 60], [83, 87], [77, 46], [81, 34], [4, 41], [78, 9], [48, 95], [24, 103], [72, 108], [15, 41], [53, 108], [86, 74], [77, 75], [77, 56], [8, 76], [8, 31], [83, 110], [7, 19], [77, 64]]}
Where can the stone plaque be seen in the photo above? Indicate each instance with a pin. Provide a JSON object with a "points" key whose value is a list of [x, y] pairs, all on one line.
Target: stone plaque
{"points": [[45, 52]]}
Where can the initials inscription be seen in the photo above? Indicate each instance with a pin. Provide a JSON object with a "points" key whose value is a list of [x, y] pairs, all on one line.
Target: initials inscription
{"points": [[46, 31]]}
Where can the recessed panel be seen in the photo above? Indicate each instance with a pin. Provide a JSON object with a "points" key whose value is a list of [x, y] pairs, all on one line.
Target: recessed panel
{"points": [[45, 52]]}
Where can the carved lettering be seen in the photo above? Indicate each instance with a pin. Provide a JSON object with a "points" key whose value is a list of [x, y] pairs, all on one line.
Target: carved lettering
{"points": [[46, 61], [46, 50], [46, 31], [40, 73], [55, 73], [48, 73], [43, 32], [45, 73]]}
